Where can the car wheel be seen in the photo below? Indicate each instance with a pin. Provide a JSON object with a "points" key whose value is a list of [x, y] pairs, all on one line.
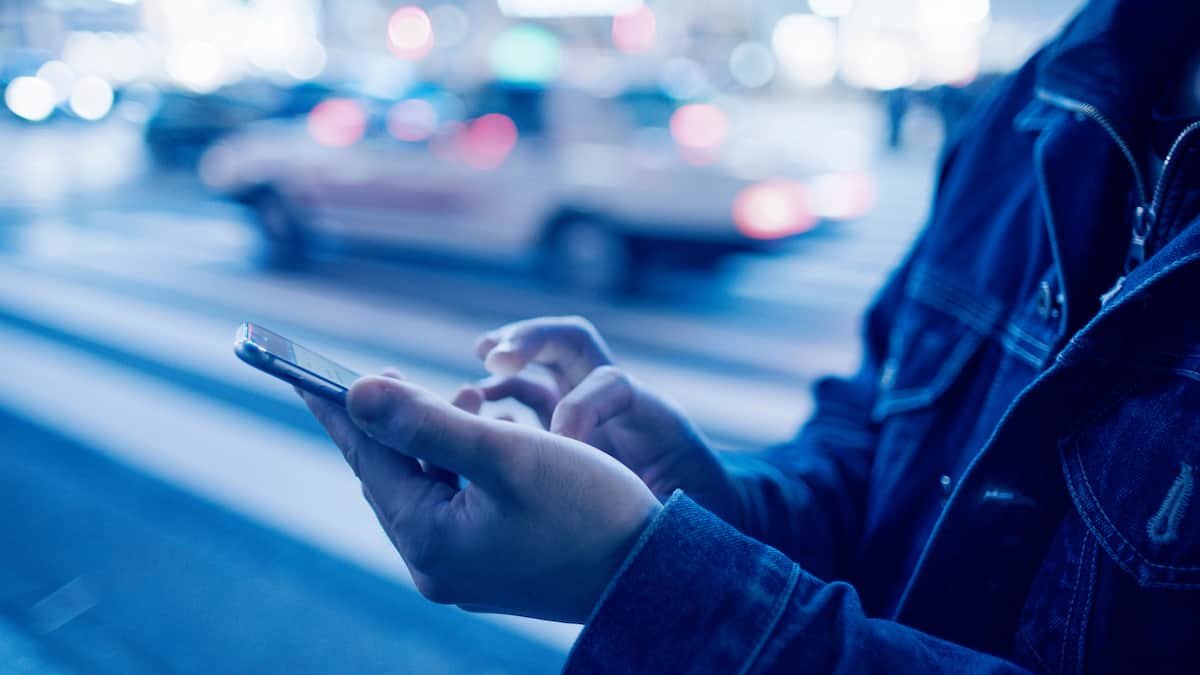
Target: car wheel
{"points": [[283, 234], [588, 256]]}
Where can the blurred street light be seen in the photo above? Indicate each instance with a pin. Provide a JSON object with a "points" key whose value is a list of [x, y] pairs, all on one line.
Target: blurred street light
{"points": [[30, 98], [526, 54], [91, 97], [546, 9], [806, 47], [410, 33], [831, 9], [635, 31], [197, 65], [879, 60]]}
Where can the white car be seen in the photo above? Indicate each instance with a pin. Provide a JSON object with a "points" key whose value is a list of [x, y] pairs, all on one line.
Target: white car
{"points": [[588, 214]]}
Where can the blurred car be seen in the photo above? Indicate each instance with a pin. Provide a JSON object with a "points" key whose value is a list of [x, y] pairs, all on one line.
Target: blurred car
{"points": [[498, 183], [185, 123]]}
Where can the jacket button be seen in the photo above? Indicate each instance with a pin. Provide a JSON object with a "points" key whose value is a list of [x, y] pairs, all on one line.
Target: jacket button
{"points": [[1048, 305], [887, 376]]}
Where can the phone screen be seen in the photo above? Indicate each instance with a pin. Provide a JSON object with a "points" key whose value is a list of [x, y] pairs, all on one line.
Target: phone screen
{"points": [[285, 349]]}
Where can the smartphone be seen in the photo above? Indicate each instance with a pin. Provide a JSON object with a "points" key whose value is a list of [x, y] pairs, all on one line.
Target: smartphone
{"points": [[276, 355]]}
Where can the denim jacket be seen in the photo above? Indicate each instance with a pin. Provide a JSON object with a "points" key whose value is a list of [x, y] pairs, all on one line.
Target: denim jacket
{"points": [[1007, 482]]}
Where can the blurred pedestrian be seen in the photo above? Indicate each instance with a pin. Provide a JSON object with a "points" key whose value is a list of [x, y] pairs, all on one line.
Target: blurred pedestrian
{"points": [[1006, 483], [895, 105]]}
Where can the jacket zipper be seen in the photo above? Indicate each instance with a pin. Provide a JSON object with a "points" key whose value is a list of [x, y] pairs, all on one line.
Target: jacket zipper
{"points": [[1146, 212]]}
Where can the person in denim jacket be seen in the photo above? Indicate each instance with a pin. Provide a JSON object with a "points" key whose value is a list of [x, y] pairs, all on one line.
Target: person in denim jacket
{"points": [[1006, 484]]}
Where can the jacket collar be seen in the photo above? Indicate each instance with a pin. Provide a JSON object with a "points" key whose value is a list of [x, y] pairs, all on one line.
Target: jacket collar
{"points": [[1117, 56]]}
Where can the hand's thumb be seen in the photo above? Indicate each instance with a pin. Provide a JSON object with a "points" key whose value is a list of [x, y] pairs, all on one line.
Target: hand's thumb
{"points": [[413, 421]]}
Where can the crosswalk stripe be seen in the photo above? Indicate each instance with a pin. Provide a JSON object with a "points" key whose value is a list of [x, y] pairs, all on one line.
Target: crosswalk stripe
{"points": [[433, 351]]}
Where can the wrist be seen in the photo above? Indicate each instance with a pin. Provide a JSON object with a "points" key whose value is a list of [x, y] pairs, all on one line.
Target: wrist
{"points": [[615, 562]]}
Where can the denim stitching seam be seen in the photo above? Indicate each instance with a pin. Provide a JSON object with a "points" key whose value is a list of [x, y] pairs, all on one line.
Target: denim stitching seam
{"points": [[1087, 609], [1062, 656], [1111, 529], [1016, 331], [1021, 353], [776, 616]]}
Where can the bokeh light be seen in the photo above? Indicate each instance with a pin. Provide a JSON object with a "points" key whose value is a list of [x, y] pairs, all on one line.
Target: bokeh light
{"points": [[773, 209], [337, 122], [950, 58], [752, 65], [953, 13], [831, 9], [197, 65], [412, 120], [546, 9], [699, 128], [60, 76], [91, 97], [683, 79], [526, 54], [450, 24], [635, 31], [879, 60], [843, 195], [410, 33], [806, 47], [487, 141], [30, 98], [307, 60]]}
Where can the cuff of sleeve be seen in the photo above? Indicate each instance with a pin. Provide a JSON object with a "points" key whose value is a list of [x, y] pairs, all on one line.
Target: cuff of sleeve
{"points": [[694, 595]]}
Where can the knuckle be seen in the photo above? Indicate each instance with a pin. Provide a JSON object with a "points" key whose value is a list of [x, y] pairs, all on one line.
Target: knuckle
{"points": [[611, 373], [572, 408], [578, 322]]}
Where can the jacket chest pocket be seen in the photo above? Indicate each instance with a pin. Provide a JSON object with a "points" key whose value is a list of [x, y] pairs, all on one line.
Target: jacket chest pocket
{"points": [[927, 357], [1119, 587]]}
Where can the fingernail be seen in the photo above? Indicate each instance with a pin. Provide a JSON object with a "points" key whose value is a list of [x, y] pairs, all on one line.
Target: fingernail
{"points": [[369, 402]]}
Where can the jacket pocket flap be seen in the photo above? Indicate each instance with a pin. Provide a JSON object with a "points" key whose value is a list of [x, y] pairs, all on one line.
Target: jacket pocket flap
{"points": [[927, 353], [1132, 475]]}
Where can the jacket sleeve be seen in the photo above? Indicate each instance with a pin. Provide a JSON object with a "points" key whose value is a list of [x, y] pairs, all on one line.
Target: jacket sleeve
{"points": [[697, 596]]}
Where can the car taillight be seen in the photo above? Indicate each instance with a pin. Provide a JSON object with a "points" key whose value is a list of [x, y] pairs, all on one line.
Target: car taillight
{"points": [[773, 209], [487, 141]]}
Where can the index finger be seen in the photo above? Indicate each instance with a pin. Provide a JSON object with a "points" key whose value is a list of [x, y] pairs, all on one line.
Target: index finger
{"points": [[569, 347]]}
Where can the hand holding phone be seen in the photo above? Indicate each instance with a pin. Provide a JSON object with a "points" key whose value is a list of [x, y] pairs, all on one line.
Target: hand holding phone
{"points": [[280, 357]]}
